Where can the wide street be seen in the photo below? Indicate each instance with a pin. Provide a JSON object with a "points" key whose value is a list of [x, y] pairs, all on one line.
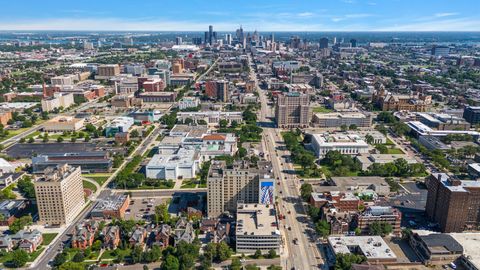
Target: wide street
{"points": [[296, 227]]}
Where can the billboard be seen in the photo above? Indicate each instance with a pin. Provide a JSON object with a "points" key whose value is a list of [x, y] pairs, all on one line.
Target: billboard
{"points": [[267, 191]]}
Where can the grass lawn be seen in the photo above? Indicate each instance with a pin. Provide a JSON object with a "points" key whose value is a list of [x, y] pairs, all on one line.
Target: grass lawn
{"points": [[389, 142], [35, 254], [161, 186], [202, 185], [188, 183], [100, 178], [89, 185], [395, 151], [321, 110], [48, 238], [33, 135]]}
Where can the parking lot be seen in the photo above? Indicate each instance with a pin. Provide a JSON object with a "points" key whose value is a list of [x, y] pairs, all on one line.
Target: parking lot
{"points": [[142, 208]]}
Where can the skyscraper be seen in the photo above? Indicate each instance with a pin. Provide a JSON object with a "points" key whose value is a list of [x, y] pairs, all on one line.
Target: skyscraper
{"points": [[324, 43], [210, 36], [353, 42], [228, 39], [239, 34], [178, 40]]}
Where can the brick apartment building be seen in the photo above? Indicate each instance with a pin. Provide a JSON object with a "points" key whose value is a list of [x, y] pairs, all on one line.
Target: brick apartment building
{"points": [[454, 204]]}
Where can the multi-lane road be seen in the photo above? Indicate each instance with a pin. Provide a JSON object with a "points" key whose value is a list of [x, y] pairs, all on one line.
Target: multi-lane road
{"points": [[300, 242]]}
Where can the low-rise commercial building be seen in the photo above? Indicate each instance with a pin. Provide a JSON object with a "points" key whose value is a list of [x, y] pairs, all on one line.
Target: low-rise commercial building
{"points": [[257, 229], [111, 207], [89, 162], [63, 123], [372, 247], [434, 248], [57, 101], [158, 96], [188, 102], [347, 144], [366, 160], [211, 117], [336, 120], [342, 201], [382, 214], [183, 164], [119, 124]]}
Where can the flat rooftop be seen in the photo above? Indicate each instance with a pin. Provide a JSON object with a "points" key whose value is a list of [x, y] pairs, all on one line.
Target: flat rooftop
{"points": [[110, 203], [337, 115], [372, 247], [339, 139], [256, 219], [469, 242]]}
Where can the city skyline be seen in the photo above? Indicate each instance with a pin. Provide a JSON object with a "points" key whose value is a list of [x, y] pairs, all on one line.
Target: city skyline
{"points": [[338, 15]]}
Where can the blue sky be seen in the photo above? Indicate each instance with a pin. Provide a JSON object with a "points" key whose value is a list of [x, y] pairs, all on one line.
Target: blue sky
{"points": [[226, 15]]}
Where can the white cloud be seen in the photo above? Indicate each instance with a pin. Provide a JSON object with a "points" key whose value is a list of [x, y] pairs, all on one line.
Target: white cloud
{"points": [[463, 24], [445, 14], [305, 14]]}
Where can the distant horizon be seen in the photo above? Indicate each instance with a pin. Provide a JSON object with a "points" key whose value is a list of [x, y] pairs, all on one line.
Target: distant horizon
{"points": [[269, 15], [246, 30]]}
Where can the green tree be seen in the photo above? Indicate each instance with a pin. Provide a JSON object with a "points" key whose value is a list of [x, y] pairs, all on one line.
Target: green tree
{"points": [[19, 258], [97, 245], [257, 254], [20, 223], [73, 139], [381, 148], [22, 140], [369, 139], [223, 252], [344, 261], [353, 127], [31, 140], [322, 228], [90, 127], [272, 254], [161, 213], [60, 139], [71, 266], [223, 123], [26, 187], [60, 259], [386, 117], [78, 257], [171, 263], [242, 152], [236, 264], [45, 137], [344, 127], [306, 191], [87, 138], [134, 133]]}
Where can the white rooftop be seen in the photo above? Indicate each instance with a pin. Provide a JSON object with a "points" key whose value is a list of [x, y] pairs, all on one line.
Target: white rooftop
{"points": [[372, 247]]}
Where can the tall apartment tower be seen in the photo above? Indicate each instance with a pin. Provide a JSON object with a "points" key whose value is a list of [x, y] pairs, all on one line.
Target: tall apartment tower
{"points": [[293, 110], [217, 90], [59, 194], [453, 204], [222, 90], [229, 185]]}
